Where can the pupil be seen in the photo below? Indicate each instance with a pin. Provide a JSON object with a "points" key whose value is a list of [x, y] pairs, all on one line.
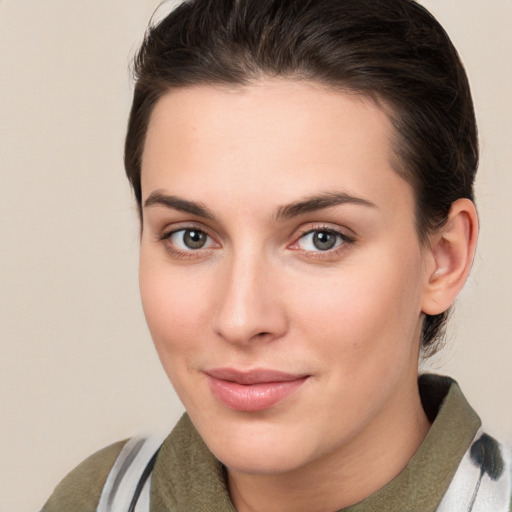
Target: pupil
{"points": [[194, 239], [323, 240]]}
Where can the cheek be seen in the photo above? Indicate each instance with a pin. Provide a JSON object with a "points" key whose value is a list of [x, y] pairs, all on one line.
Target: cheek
{"points": [[176, 312], [365, 313], [174, 305]]}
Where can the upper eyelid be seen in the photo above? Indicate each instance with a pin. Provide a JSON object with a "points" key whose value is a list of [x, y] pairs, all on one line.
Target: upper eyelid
{"points": [[184, 226], [324, 226]]}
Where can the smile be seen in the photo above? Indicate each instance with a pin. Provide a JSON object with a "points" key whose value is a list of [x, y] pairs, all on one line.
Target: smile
{"points": [[252, 391]]}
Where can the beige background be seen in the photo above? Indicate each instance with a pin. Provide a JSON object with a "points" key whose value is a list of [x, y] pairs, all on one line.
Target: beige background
{"points": [[77, 370]]}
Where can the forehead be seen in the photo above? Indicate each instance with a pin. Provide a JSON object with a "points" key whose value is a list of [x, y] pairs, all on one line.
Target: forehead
{"points": [[278, 137]]}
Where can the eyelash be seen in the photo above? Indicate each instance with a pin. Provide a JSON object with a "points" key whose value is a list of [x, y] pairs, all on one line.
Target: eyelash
{"points": [[166, 237], [343, 240]]}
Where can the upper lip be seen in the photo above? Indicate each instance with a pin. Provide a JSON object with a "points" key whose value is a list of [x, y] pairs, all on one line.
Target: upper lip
{"points": [[255, 376]]}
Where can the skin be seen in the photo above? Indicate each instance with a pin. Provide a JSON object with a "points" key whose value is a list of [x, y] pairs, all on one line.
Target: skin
{"points": [[261, 294]]}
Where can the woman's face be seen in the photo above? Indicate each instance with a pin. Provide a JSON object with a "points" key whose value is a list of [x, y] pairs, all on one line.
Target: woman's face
{"points": [[281, 274]]}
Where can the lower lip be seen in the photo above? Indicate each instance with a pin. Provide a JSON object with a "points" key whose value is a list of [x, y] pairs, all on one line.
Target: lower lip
{"points": [[253, 397]]}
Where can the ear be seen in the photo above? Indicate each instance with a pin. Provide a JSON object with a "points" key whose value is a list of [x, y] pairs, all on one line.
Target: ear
{"points": [[452, 249]]}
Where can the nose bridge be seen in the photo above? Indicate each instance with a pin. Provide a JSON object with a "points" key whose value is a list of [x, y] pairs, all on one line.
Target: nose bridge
{"points": [[248, 305]]}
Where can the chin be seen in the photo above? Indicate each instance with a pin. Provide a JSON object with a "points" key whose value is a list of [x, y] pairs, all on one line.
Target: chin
{"points": [[262, 451], [258, 461]]}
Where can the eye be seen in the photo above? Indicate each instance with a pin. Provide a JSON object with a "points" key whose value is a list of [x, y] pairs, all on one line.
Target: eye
{"points": [[191, 239], [321, 240]]}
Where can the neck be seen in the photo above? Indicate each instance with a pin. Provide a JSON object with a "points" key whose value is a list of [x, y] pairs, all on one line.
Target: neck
{"points": [[346, 476]]}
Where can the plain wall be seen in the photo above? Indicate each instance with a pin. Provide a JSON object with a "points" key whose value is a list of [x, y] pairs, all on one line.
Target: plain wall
{"points": [[77, 368]]}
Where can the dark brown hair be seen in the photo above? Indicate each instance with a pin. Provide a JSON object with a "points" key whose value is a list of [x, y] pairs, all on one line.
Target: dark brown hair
{"points": [[391, 50]]}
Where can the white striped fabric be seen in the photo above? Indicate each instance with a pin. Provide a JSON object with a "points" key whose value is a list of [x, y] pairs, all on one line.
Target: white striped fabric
{"points": [[126, 474], [483, 481]]}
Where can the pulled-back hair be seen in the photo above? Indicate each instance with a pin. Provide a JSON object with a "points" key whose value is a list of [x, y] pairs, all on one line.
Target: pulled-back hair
{"points": [[393, 51]]}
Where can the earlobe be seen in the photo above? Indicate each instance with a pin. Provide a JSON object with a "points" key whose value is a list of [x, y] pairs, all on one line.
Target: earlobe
{"points": [[452, 250]]}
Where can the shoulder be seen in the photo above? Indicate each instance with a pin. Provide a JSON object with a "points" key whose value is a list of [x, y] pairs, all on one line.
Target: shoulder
{"points": [[80, 490]]}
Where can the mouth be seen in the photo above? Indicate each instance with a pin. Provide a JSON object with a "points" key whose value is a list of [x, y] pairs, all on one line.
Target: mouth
{"points": [[254, 390]]}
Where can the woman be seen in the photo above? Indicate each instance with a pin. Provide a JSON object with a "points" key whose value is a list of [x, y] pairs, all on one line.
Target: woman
{"points": [[304, 175]]}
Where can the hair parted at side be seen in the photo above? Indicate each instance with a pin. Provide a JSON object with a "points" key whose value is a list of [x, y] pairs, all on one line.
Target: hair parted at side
{"points": [[391, 50]]}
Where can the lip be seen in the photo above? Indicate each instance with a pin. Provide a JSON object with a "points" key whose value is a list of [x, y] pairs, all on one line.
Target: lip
{"points": [[254, 390]]}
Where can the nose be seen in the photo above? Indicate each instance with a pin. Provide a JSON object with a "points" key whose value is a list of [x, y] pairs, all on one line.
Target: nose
{"points": [[250, 304]]}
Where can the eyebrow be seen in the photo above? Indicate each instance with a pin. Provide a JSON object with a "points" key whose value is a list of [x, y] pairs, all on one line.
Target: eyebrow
{"points": [[177, 203], [303, 206], [319, 202]]}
